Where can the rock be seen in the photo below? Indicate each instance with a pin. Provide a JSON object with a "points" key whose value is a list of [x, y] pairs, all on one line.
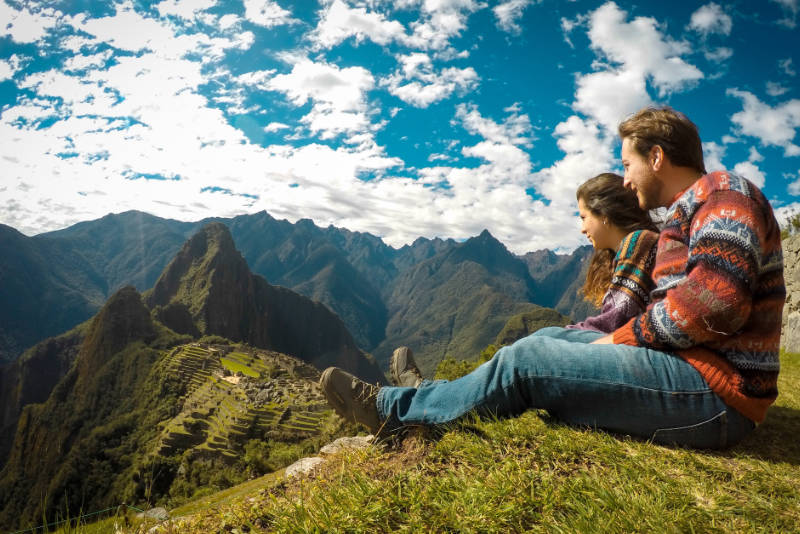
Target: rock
{"points": [[304, 467], [790, 333], [159, 514], [355, 442]]}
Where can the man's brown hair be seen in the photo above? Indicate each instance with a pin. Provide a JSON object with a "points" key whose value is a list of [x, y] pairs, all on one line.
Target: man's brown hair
{"points": [[671, 130]]}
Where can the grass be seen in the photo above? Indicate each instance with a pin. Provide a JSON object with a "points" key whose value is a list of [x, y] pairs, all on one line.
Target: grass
{"points": [[532, 474], [235, 365]]}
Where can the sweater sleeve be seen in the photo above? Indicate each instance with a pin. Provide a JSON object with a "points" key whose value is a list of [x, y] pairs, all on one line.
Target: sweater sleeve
{"points": [[631, 283], [714, 298]]}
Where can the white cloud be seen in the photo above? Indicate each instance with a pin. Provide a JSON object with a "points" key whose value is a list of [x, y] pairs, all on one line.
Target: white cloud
{"points": [[773, 126], [275, 127], [790, 8], [338, 96], [711, 19], [339, 22], [609, 96], [10, 67], [718, 55], [639, 47], [24, 25], [786, 66], [185, 9], [749, 170], [441, 20], [638, 52], [509, 12], [712, 156], [417, 83], [82, 62], [133, 32], [794, 187], [266, 13]]}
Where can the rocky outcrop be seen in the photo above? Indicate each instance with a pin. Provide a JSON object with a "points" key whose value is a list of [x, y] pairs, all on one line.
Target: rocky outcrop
{"points": [[790, 333]]}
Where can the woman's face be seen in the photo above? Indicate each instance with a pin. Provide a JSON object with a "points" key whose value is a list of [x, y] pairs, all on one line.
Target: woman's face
{"points": [[592, 227]]}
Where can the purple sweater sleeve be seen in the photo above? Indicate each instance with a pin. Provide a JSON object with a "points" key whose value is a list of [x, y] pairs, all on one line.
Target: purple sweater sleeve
{"points": [[617, 308]]}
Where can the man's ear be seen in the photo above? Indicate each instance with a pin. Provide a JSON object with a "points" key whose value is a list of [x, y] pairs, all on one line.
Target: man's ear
{"points": [[656, 157]]}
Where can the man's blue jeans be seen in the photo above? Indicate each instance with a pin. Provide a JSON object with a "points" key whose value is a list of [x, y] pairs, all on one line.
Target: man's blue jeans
{"points": [[619, 388]]}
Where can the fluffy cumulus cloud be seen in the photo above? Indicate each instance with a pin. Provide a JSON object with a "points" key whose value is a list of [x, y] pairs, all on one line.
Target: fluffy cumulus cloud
{"points": [[750, 170], [709, 19], [338, 96], [773, 126], [266, 13], [416, 82], [712, 156], [508, 14], [340, 21], [441, 21], [28, 24]]}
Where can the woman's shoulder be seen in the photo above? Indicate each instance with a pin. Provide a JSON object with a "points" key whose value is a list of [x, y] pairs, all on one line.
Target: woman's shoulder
{"points": [[637, 243]]}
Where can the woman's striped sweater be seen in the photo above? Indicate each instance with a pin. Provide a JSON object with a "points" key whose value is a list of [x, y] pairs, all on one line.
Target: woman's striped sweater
{"points": [[631, 283], [719, 291]]}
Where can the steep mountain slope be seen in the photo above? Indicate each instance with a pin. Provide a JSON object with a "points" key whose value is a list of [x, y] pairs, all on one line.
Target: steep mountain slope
{"points": [[558, 279], [454, 303], [139, 417], [31, 378], [208, 289], [96, 400], [45, 289]]}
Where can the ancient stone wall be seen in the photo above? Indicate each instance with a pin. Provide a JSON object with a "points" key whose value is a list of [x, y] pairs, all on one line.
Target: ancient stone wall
{"points": [[790, 334]]}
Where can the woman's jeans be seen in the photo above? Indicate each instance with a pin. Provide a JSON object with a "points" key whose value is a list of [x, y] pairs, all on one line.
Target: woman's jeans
{"points": [[619, 388]]}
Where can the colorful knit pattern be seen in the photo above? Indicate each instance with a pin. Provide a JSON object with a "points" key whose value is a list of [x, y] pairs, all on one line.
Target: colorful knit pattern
{"points": [[631, 283], [719, 291]]}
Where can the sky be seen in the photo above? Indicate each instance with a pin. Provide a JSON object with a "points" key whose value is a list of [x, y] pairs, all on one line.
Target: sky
{"points": [[403, 118]]}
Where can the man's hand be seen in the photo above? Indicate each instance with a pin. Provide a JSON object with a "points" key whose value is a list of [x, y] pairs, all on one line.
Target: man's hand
{"points": [[607, 339]]}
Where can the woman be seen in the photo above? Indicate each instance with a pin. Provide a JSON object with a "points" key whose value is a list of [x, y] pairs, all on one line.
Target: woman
{"points": [[624, 239], [619, 277]]}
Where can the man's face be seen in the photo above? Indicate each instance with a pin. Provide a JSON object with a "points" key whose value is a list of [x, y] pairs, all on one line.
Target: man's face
{"points": [[640, 177]]}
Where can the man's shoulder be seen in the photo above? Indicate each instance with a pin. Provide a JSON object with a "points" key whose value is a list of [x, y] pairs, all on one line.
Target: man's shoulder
{"points": [[724, 182]]}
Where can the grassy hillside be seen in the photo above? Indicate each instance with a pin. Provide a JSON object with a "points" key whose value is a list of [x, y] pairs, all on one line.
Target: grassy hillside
{"points": [[532, 474]]}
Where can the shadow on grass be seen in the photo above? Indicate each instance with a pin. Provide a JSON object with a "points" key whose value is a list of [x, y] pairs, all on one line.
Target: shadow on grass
{"points": [[775, 440]]}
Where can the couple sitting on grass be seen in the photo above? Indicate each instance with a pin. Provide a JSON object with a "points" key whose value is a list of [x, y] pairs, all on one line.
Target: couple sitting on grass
{"points": [[685, 348]]}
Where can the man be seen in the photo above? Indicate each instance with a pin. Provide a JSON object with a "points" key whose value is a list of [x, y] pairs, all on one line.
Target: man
{"points": [[698, 368]]}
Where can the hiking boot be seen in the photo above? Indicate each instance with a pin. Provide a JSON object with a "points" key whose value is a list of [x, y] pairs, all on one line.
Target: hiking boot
{"points": [[351, 397], [404, 369]]}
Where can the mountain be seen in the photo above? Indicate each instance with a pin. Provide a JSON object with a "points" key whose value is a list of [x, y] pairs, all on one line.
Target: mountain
{"points": [[354, 274], [455, 302], [124, 406], [45, 289], [142, 416], [558, 279], [208, 289], [31, 378]]}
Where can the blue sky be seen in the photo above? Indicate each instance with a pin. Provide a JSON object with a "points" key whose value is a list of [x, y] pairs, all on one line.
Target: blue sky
{"points": [[404, 119]]}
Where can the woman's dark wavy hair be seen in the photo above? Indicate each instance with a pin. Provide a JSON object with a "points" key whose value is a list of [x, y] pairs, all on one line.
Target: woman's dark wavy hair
{"points": [[606, 197]]}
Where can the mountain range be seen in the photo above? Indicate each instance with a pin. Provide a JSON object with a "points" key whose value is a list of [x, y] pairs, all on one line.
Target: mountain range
{"points": [[51, 282], [125, 386]]}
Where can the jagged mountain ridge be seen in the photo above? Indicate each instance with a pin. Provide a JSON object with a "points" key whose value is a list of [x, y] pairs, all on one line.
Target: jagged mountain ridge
{"points": [[350, 272]]}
